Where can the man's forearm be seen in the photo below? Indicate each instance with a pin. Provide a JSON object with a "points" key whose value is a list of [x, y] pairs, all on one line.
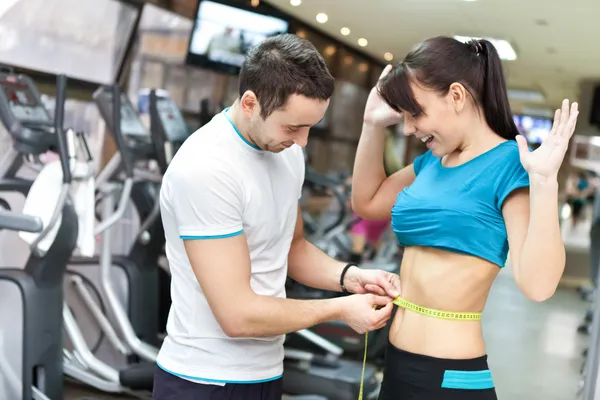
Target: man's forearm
{"points": [[310, 266], [265, 316]]}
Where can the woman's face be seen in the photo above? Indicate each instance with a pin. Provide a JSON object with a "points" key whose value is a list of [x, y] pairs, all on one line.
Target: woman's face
{"points": [[440, 125]]}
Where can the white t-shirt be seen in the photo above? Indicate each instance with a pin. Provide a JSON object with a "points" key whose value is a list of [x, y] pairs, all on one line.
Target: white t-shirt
{"points": [[218, 185]]}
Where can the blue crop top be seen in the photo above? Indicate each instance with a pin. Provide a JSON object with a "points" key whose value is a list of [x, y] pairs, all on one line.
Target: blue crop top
{"points": [[459, 209]]}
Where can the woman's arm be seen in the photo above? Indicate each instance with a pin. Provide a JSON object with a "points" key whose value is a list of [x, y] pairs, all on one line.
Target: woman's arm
{"points": [[373, 195], [535, 242], [532, 224]]}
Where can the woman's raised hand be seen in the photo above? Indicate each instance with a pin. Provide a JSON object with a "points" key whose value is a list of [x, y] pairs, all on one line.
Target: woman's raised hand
{"points": [[377, 111]]}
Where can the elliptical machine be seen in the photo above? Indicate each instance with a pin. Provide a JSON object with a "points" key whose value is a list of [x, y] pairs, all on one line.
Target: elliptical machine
{"points": [[31, 298], [169, 130], [115, 291], [81, 362]]}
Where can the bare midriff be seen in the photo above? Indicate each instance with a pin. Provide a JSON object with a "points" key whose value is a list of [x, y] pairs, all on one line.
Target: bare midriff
{"points": [[445, 281]]}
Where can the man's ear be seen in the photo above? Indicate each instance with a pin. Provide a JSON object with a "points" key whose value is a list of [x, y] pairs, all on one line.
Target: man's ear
{"points": [[249, 103]]}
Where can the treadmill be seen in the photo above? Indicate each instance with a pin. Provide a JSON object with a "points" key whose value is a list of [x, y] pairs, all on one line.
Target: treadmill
{"points": [[31, 297]]}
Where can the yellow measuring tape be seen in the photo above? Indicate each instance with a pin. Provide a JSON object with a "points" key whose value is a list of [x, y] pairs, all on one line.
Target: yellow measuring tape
{"points": [[430, 312]]}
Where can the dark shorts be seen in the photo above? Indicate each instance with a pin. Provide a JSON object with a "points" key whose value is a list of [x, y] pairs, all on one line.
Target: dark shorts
{"points": [[409, 376], [171, 387]]}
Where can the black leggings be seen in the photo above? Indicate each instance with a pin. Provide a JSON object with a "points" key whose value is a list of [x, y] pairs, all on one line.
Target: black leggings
{"points": [[409, 376]]}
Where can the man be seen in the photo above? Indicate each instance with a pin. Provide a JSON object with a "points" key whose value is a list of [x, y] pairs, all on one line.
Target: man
{"points": [[229, 204]]}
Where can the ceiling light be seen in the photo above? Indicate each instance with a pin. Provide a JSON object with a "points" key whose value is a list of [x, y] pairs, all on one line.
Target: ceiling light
{"points": [[388, 56], [362, 42], [254, 3], [470, 0], [532, 96], [504, 49], [295, 3], [345, 31], [322, 18]]}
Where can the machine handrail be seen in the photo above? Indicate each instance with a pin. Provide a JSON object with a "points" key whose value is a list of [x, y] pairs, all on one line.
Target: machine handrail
{"points": [[63, 151], [121, 208], [59, 114], [154, 214], [20, 222], [125, 156]]}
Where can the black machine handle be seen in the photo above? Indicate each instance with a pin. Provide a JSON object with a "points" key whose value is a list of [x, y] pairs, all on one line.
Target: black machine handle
{"points": [[20, 222], [59, 117], [125, 156]]}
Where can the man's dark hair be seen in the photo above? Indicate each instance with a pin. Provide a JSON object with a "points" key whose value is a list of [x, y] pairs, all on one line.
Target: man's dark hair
{"points": [[440, 61], [283, 65]]}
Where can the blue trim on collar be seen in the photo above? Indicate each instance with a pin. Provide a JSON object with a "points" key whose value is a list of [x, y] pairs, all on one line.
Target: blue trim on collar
{"points": [[238, 131]]}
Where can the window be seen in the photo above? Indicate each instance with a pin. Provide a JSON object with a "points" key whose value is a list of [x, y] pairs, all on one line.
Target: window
{"points": [[84, 39]]}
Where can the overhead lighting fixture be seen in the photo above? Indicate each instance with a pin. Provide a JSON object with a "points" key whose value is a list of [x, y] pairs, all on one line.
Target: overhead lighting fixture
{"points": [[388, 56], [295, 3], [322, 18], [345, 31], [531, 96], [504, 49], [254, 3], [362, 42]]}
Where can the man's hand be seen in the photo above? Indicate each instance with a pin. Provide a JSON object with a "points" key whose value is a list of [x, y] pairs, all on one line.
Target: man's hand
{"points": [[366, 312], [374, 281]]}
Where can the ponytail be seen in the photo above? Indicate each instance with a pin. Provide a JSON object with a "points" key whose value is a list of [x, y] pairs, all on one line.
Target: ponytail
{"points": [[496, 107]]}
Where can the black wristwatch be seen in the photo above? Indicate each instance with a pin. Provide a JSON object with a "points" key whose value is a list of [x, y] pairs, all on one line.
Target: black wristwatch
{"points": [[343, 274]]}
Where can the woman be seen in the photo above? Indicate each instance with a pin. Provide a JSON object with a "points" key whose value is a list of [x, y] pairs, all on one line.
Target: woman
{"points": [[477, 191]]}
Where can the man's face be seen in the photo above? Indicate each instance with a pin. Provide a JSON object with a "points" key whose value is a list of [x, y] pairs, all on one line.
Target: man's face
{"points": [[287, 125]]}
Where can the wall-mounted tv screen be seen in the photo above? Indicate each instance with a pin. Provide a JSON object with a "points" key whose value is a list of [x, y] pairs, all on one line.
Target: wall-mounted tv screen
{"points": [[224, 32], [535, 129]]}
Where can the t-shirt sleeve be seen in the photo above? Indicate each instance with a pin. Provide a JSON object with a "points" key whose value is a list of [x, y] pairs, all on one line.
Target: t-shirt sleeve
{"points": [[208, 204], [421, 161], [512, 178]]}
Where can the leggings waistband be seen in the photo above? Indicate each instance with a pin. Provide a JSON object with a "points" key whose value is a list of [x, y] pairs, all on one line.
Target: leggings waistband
{"points": [[431, 373]]}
